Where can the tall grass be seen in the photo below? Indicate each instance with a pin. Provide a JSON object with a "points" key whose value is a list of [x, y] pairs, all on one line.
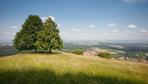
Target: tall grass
{"points": [[64, 68]]}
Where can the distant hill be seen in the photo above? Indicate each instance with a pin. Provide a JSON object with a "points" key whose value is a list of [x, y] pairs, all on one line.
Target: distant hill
{"points": [[7, 50], [66, 68]]}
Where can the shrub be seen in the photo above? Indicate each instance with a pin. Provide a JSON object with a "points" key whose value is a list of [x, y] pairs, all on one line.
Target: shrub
{"points": [[77, 51], [105, 55], [141, 55]]}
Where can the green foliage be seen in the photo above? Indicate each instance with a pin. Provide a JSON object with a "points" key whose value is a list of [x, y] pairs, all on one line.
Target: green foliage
{"points": [[48, 39], [37, 36], [105, 55], [141, 55], [26, 37], [77, 51]]}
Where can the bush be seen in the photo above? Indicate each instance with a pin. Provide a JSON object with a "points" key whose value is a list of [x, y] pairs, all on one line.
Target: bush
{"points": [[141, 55], [77, 51], [105, 55]]}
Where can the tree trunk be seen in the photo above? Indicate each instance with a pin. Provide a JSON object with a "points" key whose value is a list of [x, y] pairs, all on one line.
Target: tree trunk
{"points": [[50, 51]]}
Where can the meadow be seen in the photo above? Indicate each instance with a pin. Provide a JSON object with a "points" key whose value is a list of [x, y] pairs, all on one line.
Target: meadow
{"points": [[66, 68]]}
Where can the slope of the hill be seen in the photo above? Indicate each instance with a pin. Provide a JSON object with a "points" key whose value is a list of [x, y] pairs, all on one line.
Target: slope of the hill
{"points": [[64, 68]]}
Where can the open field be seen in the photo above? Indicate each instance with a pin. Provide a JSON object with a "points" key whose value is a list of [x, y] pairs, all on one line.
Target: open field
{"points": [[65, 68]]}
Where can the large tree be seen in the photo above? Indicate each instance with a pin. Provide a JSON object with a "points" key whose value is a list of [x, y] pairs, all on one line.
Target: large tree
{"points": [[49, 39], [25, 39]]}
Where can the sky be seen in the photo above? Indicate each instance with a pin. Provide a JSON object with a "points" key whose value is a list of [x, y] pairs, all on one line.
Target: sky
{"points": [[80, 19]]}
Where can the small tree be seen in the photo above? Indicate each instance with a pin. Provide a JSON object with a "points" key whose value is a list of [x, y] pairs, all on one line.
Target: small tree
{"points": [[77, 51], [105, 55], [141, 55], [25, 39], [48, 39]]}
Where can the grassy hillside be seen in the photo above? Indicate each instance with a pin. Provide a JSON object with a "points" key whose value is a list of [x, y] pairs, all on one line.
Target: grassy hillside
{"points": [[64, 68]]}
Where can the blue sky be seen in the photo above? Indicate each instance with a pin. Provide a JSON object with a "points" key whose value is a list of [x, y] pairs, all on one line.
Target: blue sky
{"points": [[80, 19]]}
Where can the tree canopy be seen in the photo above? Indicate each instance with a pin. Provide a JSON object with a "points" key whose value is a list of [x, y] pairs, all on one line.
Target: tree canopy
{"points": [[49, 39], [38, 36]]}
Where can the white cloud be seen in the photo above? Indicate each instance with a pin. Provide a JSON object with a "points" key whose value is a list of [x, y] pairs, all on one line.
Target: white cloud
{"points": [[105, 33], [115, 34], [9, 33], [134, 1], [14, 27], [132, 26], [53, 18], [44, 18], [126, 0], [92, 26], [59, 25], [112, 25], [128, 31], [75, 29], [143, 30], [115, 30], [82, 35]]}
